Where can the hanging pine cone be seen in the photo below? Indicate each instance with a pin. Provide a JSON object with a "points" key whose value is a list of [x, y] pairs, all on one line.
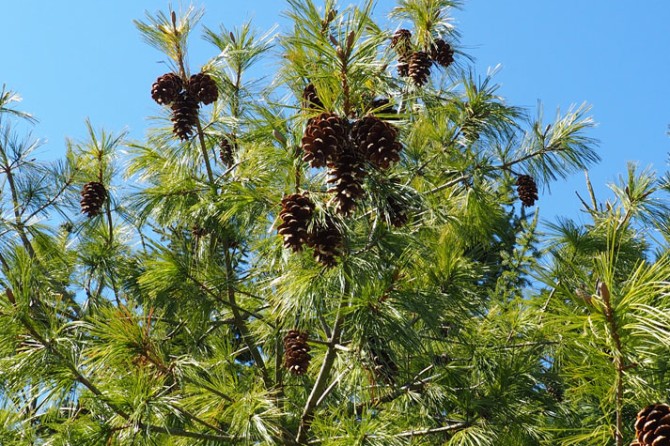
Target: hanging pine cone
{"points": [[376, 140], [93, 195], [296, 214], [326, 240], [382, 363], [442, 53], [652, 426], [401, 41], [403, 65], [526, 189], [419, 67], [346, 172], [166, 88], [397, 212], [184, 115], [202, 87], [296, 352], [324, 138], [227, 149], [198, 231], [310, 98], [383, 106]]}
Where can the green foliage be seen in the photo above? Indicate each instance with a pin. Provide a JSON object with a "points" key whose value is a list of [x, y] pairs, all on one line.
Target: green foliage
{"points": [[447, 316]]}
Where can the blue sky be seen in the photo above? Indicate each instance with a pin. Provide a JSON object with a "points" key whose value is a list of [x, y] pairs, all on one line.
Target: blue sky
{"points": [[87, 60]]}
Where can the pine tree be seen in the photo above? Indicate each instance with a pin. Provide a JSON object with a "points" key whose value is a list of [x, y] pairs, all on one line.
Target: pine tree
{"points": [[332, 278]]}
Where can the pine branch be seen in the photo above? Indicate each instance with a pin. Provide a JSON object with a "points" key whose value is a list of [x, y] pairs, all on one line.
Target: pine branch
{"points": [[320, 385], [434, 430], [240, 321], [97, 392], [603, 292], [19, 224], [414, 385]]}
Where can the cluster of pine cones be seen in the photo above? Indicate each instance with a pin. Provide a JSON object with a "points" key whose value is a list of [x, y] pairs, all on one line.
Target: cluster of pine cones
{"points": [[416, 64], [298, 229], [184, 98], [346, 150], [652, 426], [526, 190]]}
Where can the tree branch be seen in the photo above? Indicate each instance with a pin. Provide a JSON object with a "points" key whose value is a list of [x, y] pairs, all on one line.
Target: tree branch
{"points": [[603, 292], [322, 379]]}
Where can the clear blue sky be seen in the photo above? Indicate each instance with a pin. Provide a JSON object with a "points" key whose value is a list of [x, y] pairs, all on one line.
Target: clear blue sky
{"points": [[82, 58]]}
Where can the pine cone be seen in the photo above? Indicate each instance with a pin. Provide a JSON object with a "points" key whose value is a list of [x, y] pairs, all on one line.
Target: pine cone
{"points": [[296, 214], [419, 67], [652, 426], [296, 352], [326, 240], [347, 172], [397, 212], [403, 65], [442, 53], [310, 98], [383, 364], [198, 231], [184, 115], [93, 195], [376, 140], [401, 41], [166, 88], [526, 189], [227, 150], [202, 87], [324, 138], [383, 106]]}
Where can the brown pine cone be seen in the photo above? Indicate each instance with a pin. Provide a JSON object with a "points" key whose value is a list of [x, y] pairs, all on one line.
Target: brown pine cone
{"points": [[166, 88], [652, 426], [326, 240], [383, 106], [325, 136], [296, 352], [202, 87], [527, 190], [346, 172], [227, 149], [419, 67], [397, 212], [184, 115], [296, 214], [442, 53], [311, 98], [403, 65], [401, 41], [376, 140], [382, 362], [93, 196]]}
